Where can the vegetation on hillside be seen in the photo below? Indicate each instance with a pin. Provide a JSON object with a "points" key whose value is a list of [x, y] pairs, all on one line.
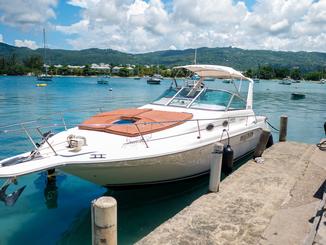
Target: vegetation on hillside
{"points": [[255, 63]]}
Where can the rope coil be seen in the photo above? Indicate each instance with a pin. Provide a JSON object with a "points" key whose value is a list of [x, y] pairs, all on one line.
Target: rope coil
{"points": [[322, 145]]}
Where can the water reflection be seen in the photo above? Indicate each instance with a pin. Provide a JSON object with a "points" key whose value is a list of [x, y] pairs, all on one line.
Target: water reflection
{"points": [[48, 182], [140, 210], [51, 192]]}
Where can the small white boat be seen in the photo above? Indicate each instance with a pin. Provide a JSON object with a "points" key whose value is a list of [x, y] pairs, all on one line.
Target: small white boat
{"points": [[103, 80], [286, 81], [167, 140], [155, 79]]}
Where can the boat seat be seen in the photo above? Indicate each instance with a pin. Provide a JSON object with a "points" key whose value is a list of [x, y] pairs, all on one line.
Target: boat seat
{"points": [[125, 121]]}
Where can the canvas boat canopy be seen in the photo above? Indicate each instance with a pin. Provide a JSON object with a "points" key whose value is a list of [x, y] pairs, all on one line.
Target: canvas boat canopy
{"points": [[222, 72]]}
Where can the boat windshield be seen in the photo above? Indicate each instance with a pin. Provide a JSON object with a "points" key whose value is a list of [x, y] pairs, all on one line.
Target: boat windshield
{"points": [[203, 98]]}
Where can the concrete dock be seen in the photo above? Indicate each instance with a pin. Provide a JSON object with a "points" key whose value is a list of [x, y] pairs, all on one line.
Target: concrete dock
{"points": [[279, 201]]}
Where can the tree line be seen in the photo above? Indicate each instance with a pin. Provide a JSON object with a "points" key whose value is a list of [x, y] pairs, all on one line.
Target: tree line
{"points": [[33, 65], [276, 72]]}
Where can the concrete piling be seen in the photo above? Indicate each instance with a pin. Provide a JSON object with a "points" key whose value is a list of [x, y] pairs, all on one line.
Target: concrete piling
{"points": [[261, 146], [216, 167], [104, 221], [283, 128]]}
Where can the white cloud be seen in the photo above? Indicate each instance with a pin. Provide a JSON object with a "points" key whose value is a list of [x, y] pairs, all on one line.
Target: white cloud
{"points": [[78, 27], [26, 43], [26, 13], [78, 3], [142, 26], [1, 38]]}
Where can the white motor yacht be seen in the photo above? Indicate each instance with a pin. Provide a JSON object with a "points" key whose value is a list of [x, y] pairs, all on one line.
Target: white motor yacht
{"points": [[167, 140]]}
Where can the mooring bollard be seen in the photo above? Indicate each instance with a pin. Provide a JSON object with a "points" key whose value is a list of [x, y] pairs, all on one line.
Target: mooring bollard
{"points": [[261, 146], [216, 167], [104, 221], [283, 128]]}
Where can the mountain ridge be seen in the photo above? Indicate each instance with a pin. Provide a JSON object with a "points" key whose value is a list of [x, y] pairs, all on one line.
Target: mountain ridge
{"points": [[241, 59]]}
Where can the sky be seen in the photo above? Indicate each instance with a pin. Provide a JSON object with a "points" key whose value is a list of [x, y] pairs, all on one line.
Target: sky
{"points": [[138, 26]]}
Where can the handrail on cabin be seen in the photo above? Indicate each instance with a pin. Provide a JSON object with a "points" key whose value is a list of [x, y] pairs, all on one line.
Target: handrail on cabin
{"points": [[226, 119], [112, 124]]}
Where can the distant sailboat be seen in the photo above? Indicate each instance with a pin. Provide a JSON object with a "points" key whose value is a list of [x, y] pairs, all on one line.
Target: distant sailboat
{"points": [[44, 76]]}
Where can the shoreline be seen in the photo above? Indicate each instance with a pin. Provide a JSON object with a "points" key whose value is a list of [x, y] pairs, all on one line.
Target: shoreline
{"points": [[143, 77]]}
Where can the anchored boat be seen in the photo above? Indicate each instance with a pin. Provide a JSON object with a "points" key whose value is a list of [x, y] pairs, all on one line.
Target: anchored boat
{"points": [[286, 81], [155, 79], [297, 96], [167, 140], [103, 80], [45, 76]]}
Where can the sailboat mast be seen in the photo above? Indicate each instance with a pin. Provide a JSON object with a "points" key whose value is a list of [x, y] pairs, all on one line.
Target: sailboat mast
{"points": [[195, 60], [44, 45], [44, 49]]}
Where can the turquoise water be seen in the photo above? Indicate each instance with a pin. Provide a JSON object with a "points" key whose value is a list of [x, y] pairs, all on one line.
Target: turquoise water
{"points": [[60, 213]]}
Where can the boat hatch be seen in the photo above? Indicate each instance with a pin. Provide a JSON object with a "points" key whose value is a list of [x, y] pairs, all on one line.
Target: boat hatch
{"points": [[125, 121]]}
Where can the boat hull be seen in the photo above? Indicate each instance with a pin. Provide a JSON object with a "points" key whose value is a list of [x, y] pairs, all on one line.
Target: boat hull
{"points": [[153, 81], [297, 96], [44, 78], [166, 168]]}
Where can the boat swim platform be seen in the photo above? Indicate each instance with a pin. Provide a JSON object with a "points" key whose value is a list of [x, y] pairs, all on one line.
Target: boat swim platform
{"points": [[279, 201]]}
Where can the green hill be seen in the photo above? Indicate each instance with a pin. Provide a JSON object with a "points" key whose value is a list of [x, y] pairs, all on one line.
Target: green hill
{"points": [[238, 58]]}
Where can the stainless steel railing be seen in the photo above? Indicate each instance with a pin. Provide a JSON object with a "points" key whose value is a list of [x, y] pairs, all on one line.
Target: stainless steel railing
{"points": [[24, 126]]}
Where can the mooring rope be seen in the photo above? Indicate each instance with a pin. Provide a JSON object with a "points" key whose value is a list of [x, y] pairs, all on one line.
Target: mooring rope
{"points": [[322, 145], [272, 126]]}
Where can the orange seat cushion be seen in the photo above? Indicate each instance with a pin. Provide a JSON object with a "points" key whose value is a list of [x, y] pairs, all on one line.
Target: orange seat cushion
{"points": [[146, 121]]}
